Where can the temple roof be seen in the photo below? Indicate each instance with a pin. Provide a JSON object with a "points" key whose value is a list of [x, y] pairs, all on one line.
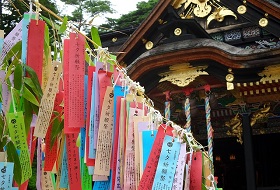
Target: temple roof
{"points": [[231, 46]]}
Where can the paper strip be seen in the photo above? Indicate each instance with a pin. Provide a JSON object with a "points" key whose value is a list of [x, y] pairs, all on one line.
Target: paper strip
{"points": [[148, 139], [74, 171], [18, 136], [67, 129], [76, 80], [148, 176], [129, 176], [64, 169], [167, 164], [179, 174], [196, 171], [6, 175], [141, 123], [35, 46], [11, 39], [46, 181], [104, 80], [47, 102], [104, 143], [89, 162], [25, 25]]}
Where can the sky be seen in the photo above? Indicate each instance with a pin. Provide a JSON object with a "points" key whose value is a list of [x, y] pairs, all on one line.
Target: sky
{"points": [[120, 6]]}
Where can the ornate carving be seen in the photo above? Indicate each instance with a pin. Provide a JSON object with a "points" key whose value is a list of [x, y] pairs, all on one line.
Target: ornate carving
{"points": [[235, 128], [183, 74], [202, 8], [270, 73], [219, 15], [261, 115], [232, 35]]}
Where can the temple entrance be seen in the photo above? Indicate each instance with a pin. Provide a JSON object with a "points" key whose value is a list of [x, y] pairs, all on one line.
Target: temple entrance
{"points": [[230, 164]]}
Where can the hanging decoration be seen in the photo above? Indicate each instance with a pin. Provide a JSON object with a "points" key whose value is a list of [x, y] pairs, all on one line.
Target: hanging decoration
{"points": [[90, 124]]}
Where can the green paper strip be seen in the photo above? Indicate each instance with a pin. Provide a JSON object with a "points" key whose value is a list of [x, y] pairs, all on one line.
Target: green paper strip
{"points": [[18, 137]]}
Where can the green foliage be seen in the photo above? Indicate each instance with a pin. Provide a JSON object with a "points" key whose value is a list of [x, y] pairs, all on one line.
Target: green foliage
{"points": [[86, 10], [95, 37], [57, 128], [9, 17], [133, 18], [13, 157]]}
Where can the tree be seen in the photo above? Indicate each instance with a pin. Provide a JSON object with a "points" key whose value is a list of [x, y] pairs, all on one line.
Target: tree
{"points": [[86, 10], [11, 11], [133, 18]]}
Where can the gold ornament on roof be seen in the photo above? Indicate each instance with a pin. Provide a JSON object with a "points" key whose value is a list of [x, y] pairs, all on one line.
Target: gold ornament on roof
{"points": [[270, 73], [183, 74], [202, 8], [178, 31], [149, 45], [242, 9], [263, 22], [219, 15]]}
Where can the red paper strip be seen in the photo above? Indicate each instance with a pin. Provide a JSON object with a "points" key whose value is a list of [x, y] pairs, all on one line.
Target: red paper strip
{"points": [[51, 152], [35, 46], [66, 89], [91, 69], [116, 140], [196, 171], [76, 81], [104, 78], [74, 170], [146, 182]]}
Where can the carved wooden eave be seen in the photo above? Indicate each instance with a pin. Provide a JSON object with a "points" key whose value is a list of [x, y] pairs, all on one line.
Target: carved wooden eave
{"points": [[201, 49], [148, 27]]}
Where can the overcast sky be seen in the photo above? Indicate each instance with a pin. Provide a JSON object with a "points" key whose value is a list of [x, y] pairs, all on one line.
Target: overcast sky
{"points": [[120, 6]]}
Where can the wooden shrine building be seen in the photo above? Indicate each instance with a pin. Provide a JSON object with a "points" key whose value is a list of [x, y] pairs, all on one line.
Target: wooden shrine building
{"points": [[231, 47]]}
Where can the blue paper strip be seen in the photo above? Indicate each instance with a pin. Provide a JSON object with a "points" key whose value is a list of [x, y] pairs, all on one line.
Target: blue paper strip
{"points": [[91, 125], [25, 22], [167, 164], [6, 175], [148, 139], [64, 170]]}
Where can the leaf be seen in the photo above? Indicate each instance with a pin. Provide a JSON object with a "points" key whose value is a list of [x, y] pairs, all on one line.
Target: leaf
{"points": [[78, 141], [95, 37], [46, 42], [12, 52], [87, 56], [18, 77], [12, 156], [28, 115], [56, 130], [35, 108], [35, 80], [15, 100], [63, 26], [13, 65], [30, 84], [29, 96], [51, 23]]}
